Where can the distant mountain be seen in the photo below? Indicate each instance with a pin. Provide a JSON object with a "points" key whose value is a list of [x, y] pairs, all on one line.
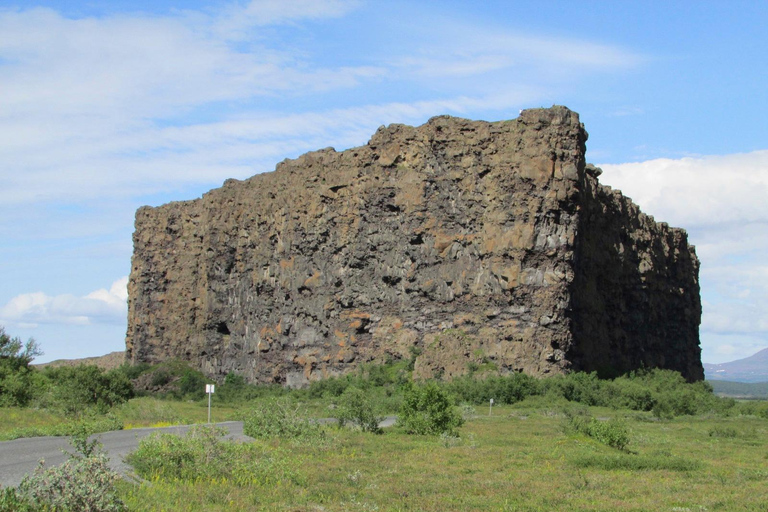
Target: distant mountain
{"points": [[750, 369]]}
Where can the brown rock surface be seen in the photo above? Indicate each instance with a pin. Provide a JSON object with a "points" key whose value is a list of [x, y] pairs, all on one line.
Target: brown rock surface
{"points": [[473, 243]]}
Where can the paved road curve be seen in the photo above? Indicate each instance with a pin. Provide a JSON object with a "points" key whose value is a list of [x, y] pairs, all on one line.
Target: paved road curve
{"points": [[20, 456]]}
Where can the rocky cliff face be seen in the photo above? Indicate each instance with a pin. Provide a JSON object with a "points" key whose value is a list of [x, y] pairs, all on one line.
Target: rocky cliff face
{"points": [[464, 244]]}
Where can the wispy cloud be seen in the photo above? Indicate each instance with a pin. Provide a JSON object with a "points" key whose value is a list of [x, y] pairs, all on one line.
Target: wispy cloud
{"points": [[236, 20], [467, 50], [100, 306], [124, 104]]}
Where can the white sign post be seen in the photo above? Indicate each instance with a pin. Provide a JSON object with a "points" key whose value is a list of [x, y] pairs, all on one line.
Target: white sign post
{"points": [[490, 407], [209, 388]]}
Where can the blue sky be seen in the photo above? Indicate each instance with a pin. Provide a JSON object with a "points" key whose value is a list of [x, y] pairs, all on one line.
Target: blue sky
{"points": [[107, 106]]}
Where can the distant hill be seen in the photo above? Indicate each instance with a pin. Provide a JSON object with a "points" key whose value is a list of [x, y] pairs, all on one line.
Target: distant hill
{"points": [[107, 362], [740, 389], [750, 369]]}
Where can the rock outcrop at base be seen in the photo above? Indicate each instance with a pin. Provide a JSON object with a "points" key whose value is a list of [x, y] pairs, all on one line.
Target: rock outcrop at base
{"points": [[466, 245]]}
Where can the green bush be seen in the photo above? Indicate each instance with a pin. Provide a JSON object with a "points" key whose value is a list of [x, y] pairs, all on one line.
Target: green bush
{"points": [[613, 432], [356, 407], [427, 409], [133, 371], [172, 378], [757, 408], [171, 456], [507, 389], [19, 384], [84, 483], [161, 377], [663, 392], [583, 388], [629, 393], [77, 389], [723, 432], [12, 501], [203, 454], [235, 390], [386, 378], [280, 418]]}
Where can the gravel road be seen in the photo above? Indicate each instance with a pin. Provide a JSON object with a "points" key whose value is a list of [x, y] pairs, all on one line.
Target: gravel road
{"points": [[20, 456]]}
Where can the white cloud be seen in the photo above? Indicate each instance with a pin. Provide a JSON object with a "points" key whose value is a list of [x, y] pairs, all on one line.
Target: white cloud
{"points": [[237, 19], [709, 190], [100, 306], [125, 105], [466, 50]]}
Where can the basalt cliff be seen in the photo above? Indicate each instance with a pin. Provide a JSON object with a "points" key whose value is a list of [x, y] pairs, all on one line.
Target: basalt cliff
{"points": [[464, 245]]}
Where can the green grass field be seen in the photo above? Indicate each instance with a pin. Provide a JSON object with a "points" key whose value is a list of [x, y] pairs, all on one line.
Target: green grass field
{"points": [[655, 443], [521, 458]]}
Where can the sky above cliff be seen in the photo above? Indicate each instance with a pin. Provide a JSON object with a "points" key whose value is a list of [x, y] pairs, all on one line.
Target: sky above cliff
{"points": [[108, 106]]}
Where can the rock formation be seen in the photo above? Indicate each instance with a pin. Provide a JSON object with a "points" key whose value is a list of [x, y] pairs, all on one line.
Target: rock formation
{"points": [[462, 244]]}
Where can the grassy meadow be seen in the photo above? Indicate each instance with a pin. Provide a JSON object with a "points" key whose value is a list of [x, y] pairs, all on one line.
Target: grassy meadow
{"points": [[523, 457], [647, 441]]}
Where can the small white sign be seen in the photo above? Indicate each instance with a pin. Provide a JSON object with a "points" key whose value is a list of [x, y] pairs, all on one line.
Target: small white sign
{"points": [[209, 388]]}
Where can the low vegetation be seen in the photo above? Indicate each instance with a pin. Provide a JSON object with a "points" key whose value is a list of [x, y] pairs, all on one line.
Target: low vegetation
{"points": [[357, 408], [282, 419], [645, 441], [203, 454], [83, 483], [427, 410]]}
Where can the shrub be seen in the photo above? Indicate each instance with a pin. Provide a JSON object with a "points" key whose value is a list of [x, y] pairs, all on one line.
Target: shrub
{"points": [[81, 387], [12, 501], [161, 377], [203, 454], [235, 389], [584, 388], [332, 386], [507, 389], [468, 412], [629, 393], [132, 371], [171, 456], [18, 385], [427, 409], [356, 407], [192, 384], [723, 432], [753, 408], [383, 379], [613, 433], [279, 418], [84, 482]]}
